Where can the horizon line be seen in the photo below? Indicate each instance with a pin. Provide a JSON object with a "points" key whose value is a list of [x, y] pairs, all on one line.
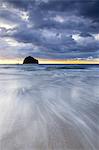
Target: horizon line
{"points": [[53, 61]]}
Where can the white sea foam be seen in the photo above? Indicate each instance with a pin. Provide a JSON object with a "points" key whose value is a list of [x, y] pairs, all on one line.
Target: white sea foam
{"points": [[49, 110]]}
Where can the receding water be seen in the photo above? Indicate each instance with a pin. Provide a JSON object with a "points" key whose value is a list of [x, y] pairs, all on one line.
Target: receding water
{"points": [[49, 107]]}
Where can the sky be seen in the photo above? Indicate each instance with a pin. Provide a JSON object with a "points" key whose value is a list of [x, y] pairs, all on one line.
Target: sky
{"points": [[49, 29]]}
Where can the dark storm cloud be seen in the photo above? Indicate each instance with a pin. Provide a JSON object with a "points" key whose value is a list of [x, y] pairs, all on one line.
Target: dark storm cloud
{"points": [[26, 35], [9, 16], [21, 4], [49, 25], [87, 8], [56, 5], [90, 9], [84, 34]]}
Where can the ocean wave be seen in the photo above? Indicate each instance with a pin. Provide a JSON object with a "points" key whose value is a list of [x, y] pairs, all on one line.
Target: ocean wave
{"points": [[52, 110]]}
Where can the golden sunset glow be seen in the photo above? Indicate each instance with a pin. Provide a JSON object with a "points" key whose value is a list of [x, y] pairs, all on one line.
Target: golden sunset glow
{"points": [[10, 61], [51, 61], [68, 61]]}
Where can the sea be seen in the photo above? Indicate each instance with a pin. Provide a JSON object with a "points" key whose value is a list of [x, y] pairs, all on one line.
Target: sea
{"points": [[49, 107]]}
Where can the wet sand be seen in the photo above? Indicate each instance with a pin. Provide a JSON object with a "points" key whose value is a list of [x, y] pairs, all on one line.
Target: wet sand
{"points": [[49, 111]]}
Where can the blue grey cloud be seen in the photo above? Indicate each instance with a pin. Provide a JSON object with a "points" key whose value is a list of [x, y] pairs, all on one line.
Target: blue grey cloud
{"points": [[50, 28]]}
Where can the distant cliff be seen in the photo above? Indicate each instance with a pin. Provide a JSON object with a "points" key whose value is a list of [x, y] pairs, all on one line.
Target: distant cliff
{"points": [[30, 60]]}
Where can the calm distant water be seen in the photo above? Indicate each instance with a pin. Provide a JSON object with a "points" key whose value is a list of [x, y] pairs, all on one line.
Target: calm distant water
{"points": [[49, 107]]}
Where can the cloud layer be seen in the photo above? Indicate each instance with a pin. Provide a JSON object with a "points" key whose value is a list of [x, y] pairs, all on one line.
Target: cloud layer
{"points": [[49, 28]]}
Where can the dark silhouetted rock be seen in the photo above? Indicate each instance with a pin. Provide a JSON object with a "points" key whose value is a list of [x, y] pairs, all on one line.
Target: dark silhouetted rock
{"points": [[30, 60]]}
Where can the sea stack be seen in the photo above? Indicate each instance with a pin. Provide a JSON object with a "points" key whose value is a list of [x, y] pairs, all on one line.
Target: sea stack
{"points": [[30, 60]]}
